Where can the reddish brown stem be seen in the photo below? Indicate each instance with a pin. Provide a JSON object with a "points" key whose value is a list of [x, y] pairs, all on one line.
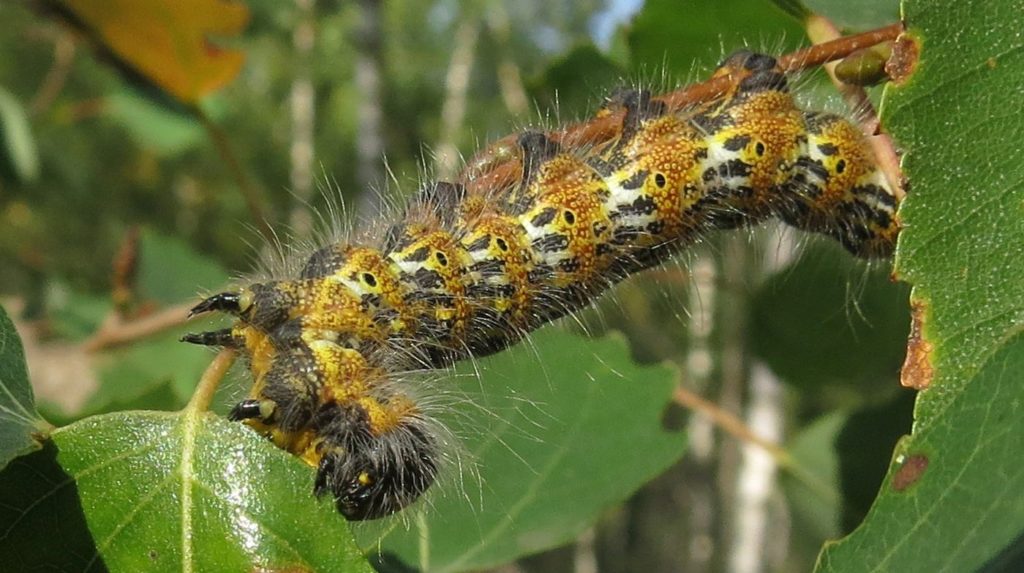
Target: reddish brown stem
{"points": [[730, 424], [115, 331], [822, 31], [498, 164], [208, 383]]}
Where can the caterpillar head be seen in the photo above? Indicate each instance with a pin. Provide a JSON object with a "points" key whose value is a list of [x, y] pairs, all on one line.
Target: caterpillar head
{"points": [[372, 476]]}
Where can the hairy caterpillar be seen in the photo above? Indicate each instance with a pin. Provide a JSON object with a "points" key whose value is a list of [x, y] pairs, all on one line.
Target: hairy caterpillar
{"points": [[469, 270]]}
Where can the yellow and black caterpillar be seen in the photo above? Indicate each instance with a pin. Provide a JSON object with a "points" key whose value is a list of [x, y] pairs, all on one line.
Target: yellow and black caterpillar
{"points": [[469, 270]]}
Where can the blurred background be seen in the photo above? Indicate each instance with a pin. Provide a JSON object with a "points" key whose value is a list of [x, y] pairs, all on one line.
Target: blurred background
{"points": [[132, 180]]}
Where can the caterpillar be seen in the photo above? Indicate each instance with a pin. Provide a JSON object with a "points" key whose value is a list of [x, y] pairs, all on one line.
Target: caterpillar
{"points": [[468, 270]]}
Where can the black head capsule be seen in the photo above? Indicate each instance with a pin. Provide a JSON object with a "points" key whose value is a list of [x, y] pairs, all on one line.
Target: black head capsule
{"points": [[375, 476]]}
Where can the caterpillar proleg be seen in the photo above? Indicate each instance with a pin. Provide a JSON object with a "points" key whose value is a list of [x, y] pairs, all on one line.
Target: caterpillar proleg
{"points": [[468, 270]]}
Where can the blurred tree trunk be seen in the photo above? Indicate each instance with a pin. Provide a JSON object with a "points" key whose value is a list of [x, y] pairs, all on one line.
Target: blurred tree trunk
{"points": [[369, 142], [303, 112], [453, 112]]}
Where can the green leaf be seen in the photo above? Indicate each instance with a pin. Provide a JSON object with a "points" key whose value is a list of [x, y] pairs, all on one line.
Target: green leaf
{"points": [[794, 8], [571, 82], [171, 272], [810, 486], [694, 35], [165, 131], [955, 484], [860, 15], [814, 449], [16, 134], [21, 428], [146, 491], [829, 320], [952, 498], [588, 434], [131, 372], [163, 491], [864, 446]]}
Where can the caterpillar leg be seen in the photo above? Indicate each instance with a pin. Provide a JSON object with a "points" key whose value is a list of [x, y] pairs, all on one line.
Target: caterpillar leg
{"points": [[262, 410], [228, 302], [749, 72], [745, 63], [225, 338], [290, 377], [373, 451], [265, 305], [535, 149], [639, 108]]}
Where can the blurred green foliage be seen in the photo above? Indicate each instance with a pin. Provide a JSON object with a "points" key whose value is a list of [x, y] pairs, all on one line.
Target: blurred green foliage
{"points": [[113, 153]]}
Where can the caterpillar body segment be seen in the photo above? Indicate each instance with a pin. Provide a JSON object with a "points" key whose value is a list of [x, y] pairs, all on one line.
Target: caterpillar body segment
{"points": [[838, 191], [469, 272]]}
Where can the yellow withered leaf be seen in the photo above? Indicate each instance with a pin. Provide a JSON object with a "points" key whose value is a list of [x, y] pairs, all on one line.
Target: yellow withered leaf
{"points": [[168, 42]]}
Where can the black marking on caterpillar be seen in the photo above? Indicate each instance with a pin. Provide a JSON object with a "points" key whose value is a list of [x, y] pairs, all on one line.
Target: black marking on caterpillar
{"points": [[468, 272]]}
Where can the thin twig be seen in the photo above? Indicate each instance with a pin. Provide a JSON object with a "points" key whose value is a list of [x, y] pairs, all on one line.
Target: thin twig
{"points": [[369, 45], [510, 79], [251, 195], [86, 109], [115, 331], [839, 48], [820, 30], [126, 265], [498, 164], [456, 87], [729, 423], [57, 75], [737, 428], [303, 111]]}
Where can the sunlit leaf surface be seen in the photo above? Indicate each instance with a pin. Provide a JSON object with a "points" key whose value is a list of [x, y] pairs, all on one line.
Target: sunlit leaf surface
{"points": [[172, 43], [952, 500]]}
